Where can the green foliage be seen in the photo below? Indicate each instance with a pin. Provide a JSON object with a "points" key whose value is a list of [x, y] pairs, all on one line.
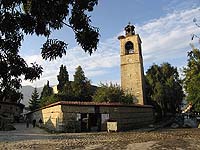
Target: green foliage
{"points": [[48, 49], [164, 87], [44, 101], [63, 80], [112, 93], [40, 17], [192, 78], [82, 88], [46, 91], [34, 102], [78, 90], [10, 94]]}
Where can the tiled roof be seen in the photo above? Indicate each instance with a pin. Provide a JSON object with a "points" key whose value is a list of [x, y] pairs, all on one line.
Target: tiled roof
{"points": [[97, 104], [77, 103]]}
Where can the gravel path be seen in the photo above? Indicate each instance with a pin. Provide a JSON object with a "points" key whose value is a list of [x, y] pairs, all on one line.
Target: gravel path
{"points": [[37, 139]]}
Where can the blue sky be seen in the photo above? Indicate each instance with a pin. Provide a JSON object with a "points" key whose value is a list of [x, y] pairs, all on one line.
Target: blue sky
{"points": [[165, 27]]}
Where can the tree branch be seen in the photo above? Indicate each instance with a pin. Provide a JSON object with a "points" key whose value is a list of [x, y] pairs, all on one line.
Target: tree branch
{"points": [[67, 24]]}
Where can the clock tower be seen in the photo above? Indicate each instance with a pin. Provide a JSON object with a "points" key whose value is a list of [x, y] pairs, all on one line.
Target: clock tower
{"points": [[132, 73]]}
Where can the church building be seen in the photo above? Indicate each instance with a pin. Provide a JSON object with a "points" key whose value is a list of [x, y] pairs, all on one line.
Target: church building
{"points": [[67, 116]]}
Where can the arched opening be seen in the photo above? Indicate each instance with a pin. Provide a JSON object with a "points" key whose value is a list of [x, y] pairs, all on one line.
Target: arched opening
{"points": [[129, 47]]}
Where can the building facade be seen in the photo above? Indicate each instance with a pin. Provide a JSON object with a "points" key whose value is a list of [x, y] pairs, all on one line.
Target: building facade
{"points": [[90, 116], [132, 72], [10, 112]]}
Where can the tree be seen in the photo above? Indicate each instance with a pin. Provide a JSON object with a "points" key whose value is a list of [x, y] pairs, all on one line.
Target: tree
{"points": [[63, 79], [64, 86], [112, 93], [47, 96], [28, 17], [34, 101], [46, 91], [81, 86], [164, 87], [192, 78], [49, 100]]}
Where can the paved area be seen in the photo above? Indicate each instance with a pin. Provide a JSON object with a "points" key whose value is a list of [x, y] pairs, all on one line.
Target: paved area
{"points": [[37, 139], [23, 133]]}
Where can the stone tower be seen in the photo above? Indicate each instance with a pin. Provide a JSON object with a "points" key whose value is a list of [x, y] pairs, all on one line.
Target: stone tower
{"points": [[132, 73]]}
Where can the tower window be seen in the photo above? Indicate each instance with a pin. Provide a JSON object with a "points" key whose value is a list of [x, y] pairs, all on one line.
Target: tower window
{"points": [[129, 47]]}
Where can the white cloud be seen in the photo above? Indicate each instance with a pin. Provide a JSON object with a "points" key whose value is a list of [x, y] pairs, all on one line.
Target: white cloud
{"points": [[164, 40], [107, 56], [168, 38], [177, 5]]}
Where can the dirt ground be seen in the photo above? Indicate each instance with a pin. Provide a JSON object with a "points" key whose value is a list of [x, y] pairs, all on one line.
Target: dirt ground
{"points": [[37, 139]]}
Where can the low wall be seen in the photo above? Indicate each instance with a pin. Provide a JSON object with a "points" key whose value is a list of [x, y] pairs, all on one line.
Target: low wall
{"points": [[129, 117], [51, 117], [67, 116]]}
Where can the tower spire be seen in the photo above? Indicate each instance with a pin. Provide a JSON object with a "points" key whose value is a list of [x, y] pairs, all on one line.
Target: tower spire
{"points": [[129, 29]]}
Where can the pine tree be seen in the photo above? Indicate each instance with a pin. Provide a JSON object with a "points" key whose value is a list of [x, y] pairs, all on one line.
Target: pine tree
{"points": [[34, 101], [63, 79], [81, 86]]}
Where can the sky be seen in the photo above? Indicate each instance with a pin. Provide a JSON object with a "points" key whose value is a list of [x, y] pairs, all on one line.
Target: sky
{"points": [[165, 28]]}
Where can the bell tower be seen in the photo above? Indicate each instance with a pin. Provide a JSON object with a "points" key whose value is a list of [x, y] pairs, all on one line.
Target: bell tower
{"points": [[132, 72]]}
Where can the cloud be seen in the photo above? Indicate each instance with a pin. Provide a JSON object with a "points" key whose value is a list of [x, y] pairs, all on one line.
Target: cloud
{"points": [[178, 5], [164, 39], [107, 56], [169, 37]]}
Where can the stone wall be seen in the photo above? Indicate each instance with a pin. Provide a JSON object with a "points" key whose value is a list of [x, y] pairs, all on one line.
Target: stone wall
{"points": [[52, 117], [129, 117], [71, 116], [132, 74], [66, 117]]}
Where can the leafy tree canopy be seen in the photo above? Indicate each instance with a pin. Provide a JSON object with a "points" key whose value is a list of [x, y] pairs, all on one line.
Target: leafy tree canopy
{"points": [[112, 93], [22, 17], [192, 78], [164, 87]]}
